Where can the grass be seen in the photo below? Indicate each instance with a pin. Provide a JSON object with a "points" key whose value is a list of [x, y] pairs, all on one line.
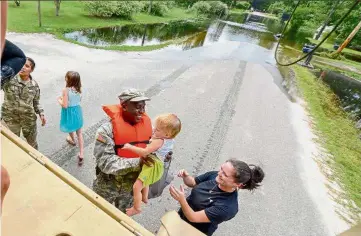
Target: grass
{"points": [[73, 16], [329, 47], [355, 64], [351, 74], [238, 11], [320, 62], [336, 133]]}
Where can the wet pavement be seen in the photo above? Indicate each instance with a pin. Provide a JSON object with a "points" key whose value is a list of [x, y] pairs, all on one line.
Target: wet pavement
{"points": [[231, 102]]}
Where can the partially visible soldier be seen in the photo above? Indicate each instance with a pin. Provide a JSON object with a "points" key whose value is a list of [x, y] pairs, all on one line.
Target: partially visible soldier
{"points": [[21, 104], [117, 169]]}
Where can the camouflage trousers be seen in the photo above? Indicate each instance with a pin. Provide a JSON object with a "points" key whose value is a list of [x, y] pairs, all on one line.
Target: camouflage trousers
{"points": [[28, 128], [117, 190]]}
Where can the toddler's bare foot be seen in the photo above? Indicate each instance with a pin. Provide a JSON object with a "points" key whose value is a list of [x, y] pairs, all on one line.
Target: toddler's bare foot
{"points": [[132, 211]]}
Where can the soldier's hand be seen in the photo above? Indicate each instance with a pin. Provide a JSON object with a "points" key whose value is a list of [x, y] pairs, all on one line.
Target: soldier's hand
{"points": [[168, 156], [146, 161], [43, 120]]}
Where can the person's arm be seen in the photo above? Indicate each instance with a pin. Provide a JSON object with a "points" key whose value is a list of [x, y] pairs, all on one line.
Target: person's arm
{"points": [[106, 158], [63, 100], [190, 181], [38, 108], [150, 148], [187, 179], [4, 10], [189, 213]]}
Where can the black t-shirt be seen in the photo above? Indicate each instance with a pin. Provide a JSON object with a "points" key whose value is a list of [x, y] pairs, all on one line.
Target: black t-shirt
{"points": [[218, 205]]}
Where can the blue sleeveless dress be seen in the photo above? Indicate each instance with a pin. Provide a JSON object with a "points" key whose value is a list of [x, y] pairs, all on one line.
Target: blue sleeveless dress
{"points": [[72, 117]]}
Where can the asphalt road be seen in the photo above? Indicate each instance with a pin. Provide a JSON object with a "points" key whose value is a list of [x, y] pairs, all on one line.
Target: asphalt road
{"points": [[231, 103]]}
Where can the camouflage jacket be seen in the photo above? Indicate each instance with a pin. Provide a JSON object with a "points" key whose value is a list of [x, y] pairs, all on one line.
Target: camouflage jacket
{"points": [[106, 159], [21, 99]]}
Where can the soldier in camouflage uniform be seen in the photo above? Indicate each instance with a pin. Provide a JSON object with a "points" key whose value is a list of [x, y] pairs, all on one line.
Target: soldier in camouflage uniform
{"points": [[116, 175], [21, 104]]}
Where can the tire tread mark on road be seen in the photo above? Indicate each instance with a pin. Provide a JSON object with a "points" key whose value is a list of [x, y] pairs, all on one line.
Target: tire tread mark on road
{"points": [[216, 139], [62, 155]]}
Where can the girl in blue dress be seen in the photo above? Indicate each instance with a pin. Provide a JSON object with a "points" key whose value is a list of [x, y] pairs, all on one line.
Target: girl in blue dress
{"points": [[71, 120]]}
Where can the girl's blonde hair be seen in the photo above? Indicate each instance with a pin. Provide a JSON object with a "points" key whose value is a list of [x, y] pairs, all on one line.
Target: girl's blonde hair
{"points": [[73, 80], [169, 123]]}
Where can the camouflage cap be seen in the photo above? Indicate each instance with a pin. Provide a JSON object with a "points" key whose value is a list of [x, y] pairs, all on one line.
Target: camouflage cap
{"points": [[132, 95]]}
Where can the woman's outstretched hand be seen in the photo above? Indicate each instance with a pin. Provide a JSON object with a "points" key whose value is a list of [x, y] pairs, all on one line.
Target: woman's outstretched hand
{"points": [[182, 173], [177, 194]]}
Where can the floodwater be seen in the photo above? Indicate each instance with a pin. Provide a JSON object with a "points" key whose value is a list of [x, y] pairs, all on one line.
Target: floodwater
{"points": [[186, 35], [183, 34]]}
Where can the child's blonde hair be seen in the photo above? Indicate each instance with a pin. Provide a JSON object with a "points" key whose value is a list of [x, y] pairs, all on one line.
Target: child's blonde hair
{"points": [[169, 123]]}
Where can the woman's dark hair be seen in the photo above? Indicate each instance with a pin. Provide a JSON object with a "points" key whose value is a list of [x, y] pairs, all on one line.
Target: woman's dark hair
{"points": [[249, 175], [32, 62], [73, 80]]}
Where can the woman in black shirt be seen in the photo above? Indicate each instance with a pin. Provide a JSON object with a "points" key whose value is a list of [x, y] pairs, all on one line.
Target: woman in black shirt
{"points": [[214, 195]]}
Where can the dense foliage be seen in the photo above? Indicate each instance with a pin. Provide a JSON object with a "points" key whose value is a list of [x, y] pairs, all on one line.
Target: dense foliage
{"points": [[123, 9]]}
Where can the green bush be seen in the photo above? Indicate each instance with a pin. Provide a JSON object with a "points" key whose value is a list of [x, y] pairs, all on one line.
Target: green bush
{"points": [[170, 4], [159, 8], [100, 8], [243, 5], [306, 30], [126, 9], [123, 9], [218, 8], [186, 3], [210, 8], [277, 8], [201, 8]]}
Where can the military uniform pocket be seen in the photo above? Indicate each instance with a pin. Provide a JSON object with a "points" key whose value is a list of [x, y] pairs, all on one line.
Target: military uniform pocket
{"points": [[29, 95]]}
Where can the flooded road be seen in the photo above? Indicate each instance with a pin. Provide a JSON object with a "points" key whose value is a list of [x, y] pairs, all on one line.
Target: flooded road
{"points": [[228, 94], [185, 34]]}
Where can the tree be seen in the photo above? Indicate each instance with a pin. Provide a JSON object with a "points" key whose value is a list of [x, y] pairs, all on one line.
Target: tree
{"points": [[39, 13], [228, 2], [349, 38], [348, 24], [261, 4], [186, 3], [334, 6], [57, 6], [150, 6]]}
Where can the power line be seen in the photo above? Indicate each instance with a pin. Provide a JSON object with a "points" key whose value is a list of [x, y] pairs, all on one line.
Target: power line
{"points": [[318, 45]]}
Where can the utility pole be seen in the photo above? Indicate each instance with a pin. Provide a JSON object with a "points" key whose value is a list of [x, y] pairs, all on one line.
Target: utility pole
{"points": [[349, 38]]}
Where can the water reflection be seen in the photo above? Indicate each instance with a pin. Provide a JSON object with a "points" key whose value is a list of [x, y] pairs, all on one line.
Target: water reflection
{"points": [[194, 41], [240, 33], [137, 34], [241, 27], [348, 90]]}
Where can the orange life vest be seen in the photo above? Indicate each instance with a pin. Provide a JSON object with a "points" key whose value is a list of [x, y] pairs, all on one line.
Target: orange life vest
{"points": [[138, 134]]}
